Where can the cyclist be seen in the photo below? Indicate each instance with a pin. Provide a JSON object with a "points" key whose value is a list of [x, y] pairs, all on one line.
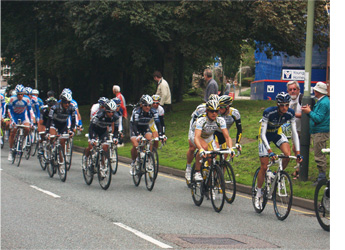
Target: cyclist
{"points": [[139, 126], [35, 92], [19, 108], [74, 103], [34, 105], [160, 110], [205, 127], [270, 131], [231, 116], [99, 127], [58, 117], [98, 106]]}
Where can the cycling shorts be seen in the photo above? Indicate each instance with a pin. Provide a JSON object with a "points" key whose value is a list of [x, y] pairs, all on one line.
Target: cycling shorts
{"points": [[219, 137], [277, 138], [23, 117], [210, 142], [61, 128], [102, 135], [143, 130]]}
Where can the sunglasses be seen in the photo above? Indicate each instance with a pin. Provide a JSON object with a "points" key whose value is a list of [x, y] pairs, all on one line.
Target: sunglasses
{"points": [[20, 94], [223, 107], [146, 105], [66, 102], [292, 89], [110, 112], [283, 104], [156, 103], [213, 111]]}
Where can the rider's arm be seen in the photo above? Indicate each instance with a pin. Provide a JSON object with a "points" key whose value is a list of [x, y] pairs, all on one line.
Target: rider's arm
{"points": [[197, 139], [263, 131], [161, 119], [239, 130], [295, 137], [227, 137], [158, 124]]}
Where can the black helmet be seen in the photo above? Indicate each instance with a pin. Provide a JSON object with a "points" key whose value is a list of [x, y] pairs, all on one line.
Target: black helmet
{"points": [[283, 97], [51, 101]]}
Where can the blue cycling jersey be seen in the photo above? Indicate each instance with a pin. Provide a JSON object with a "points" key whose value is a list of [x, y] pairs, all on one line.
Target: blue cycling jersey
{"points": [[20, 109], [275, 120]]}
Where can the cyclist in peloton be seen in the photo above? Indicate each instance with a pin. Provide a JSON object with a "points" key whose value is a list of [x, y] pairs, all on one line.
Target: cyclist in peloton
{"points": [[98, 106], [231, 116], [99, 124], [271, 131], [34, 104], [205, 127], [139, 126], [74, 103], [160, 110], [20, 108]]}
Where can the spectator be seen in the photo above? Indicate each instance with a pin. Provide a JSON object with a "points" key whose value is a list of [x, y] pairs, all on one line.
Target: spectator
{"points": [[117, 93], [163, 90], [319, 127], [293, 89], [227, 88], [212, 85]]}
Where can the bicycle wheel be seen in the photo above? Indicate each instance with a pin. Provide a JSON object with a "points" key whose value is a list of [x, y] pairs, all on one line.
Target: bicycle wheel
{"points": [[69, 152], [104, 170], [35, 142], [114, 158], [155, 154], [41, 158], [196, 188], [14, 149], [322, 203], [230, 182], [150, 171], [52, 161], [138, 173], [87, 169], [254, 190], [217, 188], [282, 196], [27, 146], [19, 150], [62, 165]]}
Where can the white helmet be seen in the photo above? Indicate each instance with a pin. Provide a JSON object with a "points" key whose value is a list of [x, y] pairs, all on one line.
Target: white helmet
{"points": [[66, 97], [35, 92], [110, 106], [146, 100]]}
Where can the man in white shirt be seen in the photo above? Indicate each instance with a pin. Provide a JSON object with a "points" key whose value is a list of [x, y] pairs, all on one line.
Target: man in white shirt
{"points": [[163, 90]]}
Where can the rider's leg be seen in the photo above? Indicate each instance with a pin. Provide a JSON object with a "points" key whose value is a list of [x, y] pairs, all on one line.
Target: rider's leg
{"points": [[285, 148]]}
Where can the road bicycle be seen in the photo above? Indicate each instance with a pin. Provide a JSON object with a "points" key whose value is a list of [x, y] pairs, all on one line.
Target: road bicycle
{"points": [[155, 155], [98, 162], [212, 185], [69, 151], [34, 139], [44, 152], [322, 201], [114, 158], [229, 177], [27, 146], [145, 164], [18, 146], [277, 186], [57, 158]]}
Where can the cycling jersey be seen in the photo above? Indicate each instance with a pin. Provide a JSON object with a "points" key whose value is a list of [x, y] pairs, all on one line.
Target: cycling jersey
{"points": [[58, 117], [99, 125], [160, 111], [140, 121], [35, 107], [271, 131], [232, 117], [20, 109], [2, 108], [44, 114]]}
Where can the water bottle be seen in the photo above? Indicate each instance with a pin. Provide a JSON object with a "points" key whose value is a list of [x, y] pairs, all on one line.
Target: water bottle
{"points": [[142, 155], [270, 176]]}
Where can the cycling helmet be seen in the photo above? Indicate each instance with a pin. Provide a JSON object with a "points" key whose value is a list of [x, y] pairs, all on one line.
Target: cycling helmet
{"points": [[117, 100], [283, 97], [212, 105], [66, 96], [51, 101], [35, 92], [20, 88], [50, 93], [213, 97], [2, 91], [28, 90], [102, 101], [110, 105], [67, 90], [225, 100], [156, 98], [146, 100]]}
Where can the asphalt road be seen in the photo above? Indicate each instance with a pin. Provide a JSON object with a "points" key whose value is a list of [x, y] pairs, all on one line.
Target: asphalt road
{"points": [[39, 212]]}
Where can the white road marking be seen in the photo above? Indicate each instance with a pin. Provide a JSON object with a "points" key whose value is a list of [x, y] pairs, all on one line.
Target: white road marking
{"points": [[46, 192], [143, 236]]}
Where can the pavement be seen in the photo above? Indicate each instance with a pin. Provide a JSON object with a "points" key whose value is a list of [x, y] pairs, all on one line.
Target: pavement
{"points": [[297, 201], [237, 92]]}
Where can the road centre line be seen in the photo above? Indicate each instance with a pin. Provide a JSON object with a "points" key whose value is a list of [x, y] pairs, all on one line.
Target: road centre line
{"points": [[46, 192], [143, 236]]}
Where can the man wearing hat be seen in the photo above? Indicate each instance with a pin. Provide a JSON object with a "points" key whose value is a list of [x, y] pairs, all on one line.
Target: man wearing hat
{"points": [[319, 126]]}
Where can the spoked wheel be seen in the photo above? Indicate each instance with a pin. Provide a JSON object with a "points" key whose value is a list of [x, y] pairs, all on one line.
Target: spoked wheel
{"points": [[282, 196], [217, 189], [114, 158], [104, 170], [52, 162], [87, 168], [35, 142], [62, 165], [19, 151], [322, 199], [137, 176], [150, 171], [155, 154], [69, 152], [43, 157], [254, 190], [230, 182], [196, 188], [27, 146]]}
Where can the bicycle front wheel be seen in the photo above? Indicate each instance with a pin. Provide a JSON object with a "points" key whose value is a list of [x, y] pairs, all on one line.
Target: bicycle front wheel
{"points": [[230, 182], [150, 171], [52, 162], [69, 152], [114, 158], [104, 170], [322, 199], [217, 188], [35, 142], [87, 168], [27, 146], [155, 154], [282, 196], [137, 175], [19, 150], [62, 165], [196, 188], [254, 190]]}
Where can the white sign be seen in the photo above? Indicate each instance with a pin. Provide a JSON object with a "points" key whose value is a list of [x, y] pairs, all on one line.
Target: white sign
{"points": [[293, 74], [270, 88]]}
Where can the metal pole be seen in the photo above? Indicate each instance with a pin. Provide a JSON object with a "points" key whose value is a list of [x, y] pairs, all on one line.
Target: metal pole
{"points": [[305, 135], [36, 74], [240, 83]]}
